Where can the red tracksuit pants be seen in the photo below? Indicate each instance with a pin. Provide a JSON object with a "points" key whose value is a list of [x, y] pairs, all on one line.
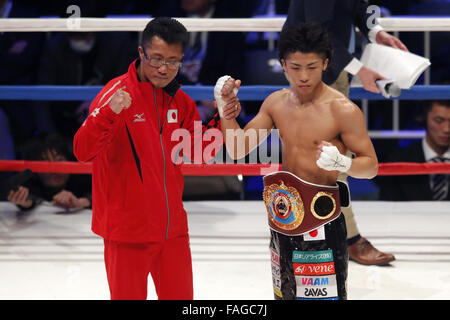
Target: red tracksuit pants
{"points": [[169, 262]]}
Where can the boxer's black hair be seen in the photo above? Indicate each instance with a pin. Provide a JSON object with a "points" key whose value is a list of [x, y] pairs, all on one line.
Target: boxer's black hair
{"points": [[170, 30], [305, 38]]}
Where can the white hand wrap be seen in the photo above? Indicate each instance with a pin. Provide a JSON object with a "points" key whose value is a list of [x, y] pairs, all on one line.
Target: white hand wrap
{"points": [[331, 159], [218, 93]]}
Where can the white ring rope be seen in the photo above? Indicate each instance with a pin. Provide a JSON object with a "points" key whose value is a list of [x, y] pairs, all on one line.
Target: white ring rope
{"points": [[195, 24]]}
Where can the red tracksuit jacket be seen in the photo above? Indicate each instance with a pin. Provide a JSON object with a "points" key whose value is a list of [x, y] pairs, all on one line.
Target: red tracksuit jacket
{"points": [[137, 188]]}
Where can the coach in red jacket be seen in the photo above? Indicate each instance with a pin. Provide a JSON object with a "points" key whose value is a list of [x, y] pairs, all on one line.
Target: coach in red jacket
{"points": [[137, 187]]}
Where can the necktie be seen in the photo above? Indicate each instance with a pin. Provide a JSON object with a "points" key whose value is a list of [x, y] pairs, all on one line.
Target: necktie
{"points": [[439, 182]]}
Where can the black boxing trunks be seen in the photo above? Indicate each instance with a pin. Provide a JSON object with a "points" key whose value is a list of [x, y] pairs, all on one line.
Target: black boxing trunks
{"points": [[308, 238]]}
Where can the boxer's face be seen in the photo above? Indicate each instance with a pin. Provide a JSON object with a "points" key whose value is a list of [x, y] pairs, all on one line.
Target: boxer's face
{"points": [[159, 51], [438, 126], [304, 70]]}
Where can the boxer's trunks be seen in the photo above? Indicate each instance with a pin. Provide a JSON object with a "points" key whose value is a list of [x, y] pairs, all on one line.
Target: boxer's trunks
{"points": [[308, 238]]}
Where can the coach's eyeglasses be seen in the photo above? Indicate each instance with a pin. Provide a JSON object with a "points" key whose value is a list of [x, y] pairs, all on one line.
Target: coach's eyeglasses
{"points": [[158, 63]]}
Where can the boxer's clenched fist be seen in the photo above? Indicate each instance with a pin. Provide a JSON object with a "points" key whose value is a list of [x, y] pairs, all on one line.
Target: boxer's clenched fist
{"points": [[120, 100], [225, 92], [329, 158]]}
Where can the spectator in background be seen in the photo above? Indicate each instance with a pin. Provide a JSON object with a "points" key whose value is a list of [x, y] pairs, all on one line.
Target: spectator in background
{"points": [[397, 7], [19, 59], [79, 58], [439, 41], [7, 150], [64, 190], [434, 147], [209, 55]]}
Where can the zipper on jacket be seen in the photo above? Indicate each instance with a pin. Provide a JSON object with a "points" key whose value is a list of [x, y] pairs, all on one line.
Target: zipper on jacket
{"points": [[164, 163], [136, 157]]}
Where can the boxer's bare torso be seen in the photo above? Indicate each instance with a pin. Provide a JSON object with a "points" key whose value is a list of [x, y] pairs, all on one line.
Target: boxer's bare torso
{"points": [[302, 127], [309, 117]]}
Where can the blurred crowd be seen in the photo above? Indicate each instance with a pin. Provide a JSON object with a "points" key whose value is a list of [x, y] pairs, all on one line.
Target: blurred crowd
{"points": [[87, 58]]}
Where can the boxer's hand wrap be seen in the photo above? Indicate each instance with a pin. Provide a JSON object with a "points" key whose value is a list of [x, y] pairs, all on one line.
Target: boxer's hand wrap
{"points": [[218, 93], [331, 159]]}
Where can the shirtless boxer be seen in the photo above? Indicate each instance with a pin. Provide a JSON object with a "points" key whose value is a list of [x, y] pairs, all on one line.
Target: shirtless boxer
{"points": [[317, 125]]}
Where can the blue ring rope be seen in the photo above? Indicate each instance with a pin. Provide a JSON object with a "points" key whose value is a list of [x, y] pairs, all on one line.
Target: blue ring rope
{"points": [[246, 93]]}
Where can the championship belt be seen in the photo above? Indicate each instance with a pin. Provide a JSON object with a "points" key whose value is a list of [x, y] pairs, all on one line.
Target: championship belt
{"points": [[295, 206]]}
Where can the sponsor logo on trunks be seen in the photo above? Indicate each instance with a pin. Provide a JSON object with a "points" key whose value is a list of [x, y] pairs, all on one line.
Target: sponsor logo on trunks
{"points": [[276, 273], [317, 234], [314, 269], [334, 298], [277, 292], [276, 270], [275, 256], [312, 256], [276, 280], [324, 287]]}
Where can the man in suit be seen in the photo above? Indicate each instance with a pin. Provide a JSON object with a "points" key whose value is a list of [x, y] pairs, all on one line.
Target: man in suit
{"points": [[340, 17], [434, 147]]}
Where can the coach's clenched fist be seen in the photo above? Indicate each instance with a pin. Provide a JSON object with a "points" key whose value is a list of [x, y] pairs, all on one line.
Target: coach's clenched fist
{"points": [[120, 100]]}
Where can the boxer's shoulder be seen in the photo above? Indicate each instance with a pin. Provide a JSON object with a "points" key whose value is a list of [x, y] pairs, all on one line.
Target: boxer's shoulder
{"points": [[275, 98], [278, 94], [340, 103], [345, 110]]}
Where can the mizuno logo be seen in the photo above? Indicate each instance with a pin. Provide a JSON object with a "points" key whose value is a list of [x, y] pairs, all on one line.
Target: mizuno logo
{"points": [[138, 117]]}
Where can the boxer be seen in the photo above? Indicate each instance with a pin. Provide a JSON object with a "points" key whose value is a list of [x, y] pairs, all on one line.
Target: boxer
{"points": [[317, 125]]}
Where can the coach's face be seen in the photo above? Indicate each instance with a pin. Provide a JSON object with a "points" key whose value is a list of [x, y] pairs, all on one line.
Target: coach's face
{"points": [[160, 61]]}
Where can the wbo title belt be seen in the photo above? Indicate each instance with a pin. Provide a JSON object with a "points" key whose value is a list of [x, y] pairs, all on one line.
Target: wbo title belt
{"points": [[295, 206]]}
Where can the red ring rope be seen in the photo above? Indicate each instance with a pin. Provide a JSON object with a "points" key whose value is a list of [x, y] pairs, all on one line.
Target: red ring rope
{"points": [[384, 169]]}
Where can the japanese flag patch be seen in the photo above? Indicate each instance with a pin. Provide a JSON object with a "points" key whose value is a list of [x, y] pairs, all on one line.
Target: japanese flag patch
{"points": [[172, 116], [317, 234]]}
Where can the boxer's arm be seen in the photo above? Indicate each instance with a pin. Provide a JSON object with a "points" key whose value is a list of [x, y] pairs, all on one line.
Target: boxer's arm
{"points": [[240, 142], [355, 137]]}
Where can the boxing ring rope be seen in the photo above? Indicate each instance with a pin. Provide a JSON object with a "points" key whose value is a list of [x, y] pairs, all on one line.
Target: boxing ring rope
{"points": [[246, 93], [77, 24], [189, 169], [78, 93]]}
